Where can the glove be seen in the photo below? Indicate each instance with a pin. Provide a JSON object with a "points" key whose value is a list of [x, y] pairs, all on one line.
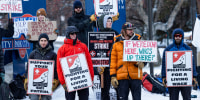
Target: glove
{"points": [[93, 18], [26, 84], [116, 17], [194, 81], [140, 64], [114, 82], [55, 84], [56, 31], [100, 70], [164, 82], [65, 87]]}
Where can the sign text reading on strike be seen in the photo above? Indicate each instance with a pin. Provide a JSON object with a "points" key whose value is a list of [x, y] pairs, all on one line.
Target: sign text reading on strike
{"points": [[139, 44]]}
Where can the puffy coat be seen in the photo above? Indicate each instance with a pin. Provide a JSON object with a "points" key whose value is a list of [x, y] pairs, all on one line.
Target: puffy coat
{"points": [[174, 47], [122, 69], [5, 33], [45, 54], [68, 49], [82, 22]]}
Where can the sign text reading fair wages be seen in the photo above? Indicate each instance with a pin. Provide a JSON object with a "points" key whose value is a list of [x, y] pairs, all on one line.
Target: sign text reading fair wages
{"points": [[10, 6], [40, 76], [179, 68], [138, 50], [76, 72]]}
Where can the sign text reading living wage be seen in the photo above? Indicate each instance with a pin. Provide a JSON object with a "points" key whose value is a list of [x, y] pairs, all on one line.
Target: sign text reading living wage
{"points": [[179, 68], [138, 50], [40, 76], [76, 72], [11, 6]]}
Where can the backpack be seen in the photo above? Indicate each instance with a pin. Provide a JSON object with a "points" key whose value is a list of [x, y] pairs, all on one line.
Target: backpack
{"points": [[17, 87], [151, 84], [5, 93]]}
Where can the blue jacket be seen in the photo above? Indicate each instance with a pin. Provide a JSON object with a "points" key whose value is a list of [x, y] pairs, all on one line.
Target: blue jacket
{"points": [[174, 47]]}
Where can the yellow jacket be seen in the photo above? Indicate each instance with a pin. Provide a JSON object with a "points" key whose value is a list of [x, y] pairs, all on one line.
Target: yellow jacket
{"points": [[123, 69]]}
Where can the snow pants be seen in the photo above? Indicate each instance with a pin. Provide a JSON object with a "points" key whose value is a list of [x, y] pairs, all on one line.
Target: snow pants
{"points": [[174, 93], [133, 85], [83, 94]]}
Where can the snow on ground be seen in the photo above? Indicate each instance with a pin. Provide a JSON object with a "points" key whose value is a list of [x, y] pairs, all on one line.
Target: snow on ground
{"points": [[59, 94]]}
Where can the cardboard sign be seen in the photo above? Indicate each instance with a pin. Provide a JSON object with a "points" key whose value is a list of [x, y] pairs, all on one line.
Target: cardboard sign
{"points": [[179, 68], [106, 7], [21, 25], [76, 72], [99, 47], [40, 76], [97, 89], [36, 28], [139, 50], [11, 6]]}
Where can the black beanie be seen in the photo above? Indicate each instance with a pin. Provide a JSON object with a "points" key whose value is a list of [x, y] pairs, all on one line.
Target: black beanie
{"points": [[43, 35], [77, 3]]}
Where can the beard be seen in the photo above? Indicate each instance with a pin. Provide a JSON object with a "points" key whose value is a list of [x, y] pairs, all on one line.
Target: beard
{"points": [[178, 41]]}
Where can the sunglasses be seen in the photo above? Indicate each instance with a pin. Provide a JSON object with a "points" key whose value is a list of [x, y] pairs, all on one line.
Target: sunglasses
{"points": [[72, 33], [78, 7], [178, 35]]}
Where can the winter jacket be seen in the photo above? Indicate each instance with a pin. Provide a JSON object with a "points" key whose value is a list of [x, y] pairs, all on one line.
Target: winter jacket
{"points": [[82, 22], [174, 47], [123, 69], [68, 49], [45, 54], [5, 33]]}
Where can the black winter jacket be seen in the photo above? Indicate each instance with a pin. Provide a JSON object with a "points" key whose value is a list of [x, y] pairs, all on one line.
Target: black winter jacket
{"points": [[82, 22], [45, 54], [5, 33]]}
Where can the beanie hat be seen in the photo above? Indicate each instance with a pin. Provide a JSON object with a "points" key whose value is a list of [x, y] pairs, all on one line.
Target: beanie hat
{"points": [[105, 19], [43, 35], [41, 11], [77, 4], [71, 29], [127, 25]]}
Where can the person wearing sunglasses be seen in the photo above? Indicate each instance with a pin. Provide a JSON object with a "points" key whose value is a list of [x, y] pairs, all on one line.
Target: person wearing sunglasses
{"points": [[178, 45], [84, 23], [73, 46]]}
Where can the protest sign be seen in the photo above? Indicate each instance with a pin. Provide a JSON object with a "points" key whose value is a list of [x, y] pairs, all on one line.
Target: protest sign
{"points": [[40, 76], [105, 7], [11, 6], [97, 89], [36, 28], [76, 72], [21, 25], [139, 50], [99, 47], [179, 68]]}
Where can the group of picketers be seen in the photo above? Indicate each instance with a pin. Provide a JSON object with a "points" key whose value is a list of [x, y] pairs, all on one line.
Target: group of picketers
{"points": [[123, 75]]}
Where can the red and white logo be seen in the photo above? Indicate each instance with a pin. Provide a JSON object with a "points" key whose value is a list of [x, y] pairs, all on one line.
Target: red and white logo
{"points": [[40, 75], [178, 57], [73, 62]]}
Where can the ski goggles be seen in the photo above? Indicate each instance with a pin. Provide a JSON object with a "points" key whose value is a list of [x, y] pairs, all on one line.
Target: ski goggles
{"points": [[178, 35]]}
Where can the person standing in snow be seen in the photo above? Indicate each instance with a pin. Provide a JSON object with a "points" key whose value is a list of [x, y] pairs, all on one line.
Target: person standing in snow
{"points": [[43, 51], [178, 45], [72, 45], [125, 75]]}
